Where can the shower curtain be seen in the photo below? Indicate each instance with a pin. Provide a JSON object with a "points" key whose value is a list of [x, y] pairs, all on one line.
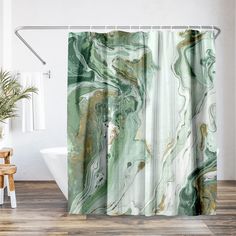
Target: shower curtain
{"points": [[142, 123]]}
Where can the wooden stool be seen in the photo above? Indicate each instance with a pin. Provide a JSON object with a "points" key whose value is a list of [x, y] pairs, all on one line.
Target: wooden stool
{"points": [[6, 154], [8, 170]]}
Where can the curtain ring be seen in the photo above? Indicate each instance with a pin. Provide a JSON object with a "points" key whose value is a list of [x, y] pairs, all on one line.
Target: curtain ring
{"points": [[130, 28], [139, 27], [213, 31], [116, 27], [68, 29], [90, 28], [200, 29]]}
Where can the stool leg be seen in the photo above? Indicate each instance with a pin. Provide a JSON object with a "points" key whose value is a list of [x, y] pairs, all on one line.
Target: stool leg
{"points": [[7, 161], [1, 189], [6, 184], [12, 191]]}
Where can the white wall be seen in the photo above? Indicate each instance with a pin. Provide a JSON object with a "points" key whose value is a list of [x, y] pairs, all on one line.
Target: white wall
{"points": [[52, 46], [1, 24], [6, 35], [235, 75]]}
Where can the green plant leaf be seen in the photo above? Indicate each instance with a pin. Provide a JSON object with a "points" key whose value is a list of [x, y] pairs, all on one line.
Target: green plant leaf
{"points": [[11, 91]]}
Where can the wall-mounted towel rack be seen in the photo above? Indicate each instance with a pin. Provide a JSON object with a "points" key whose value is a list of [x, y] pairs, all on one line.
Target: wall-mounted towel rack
{"points": [[21, 28]]}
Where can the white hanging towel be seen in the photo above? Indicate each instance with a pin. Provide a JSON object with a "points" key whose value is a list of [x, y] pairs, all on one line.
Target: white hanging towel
{"points": [[33, 110], [38, 102], [27, 105]]}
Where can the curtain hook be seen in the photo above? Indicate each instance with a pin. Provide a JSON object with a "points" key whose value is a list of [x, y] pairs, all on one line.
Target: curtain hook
{"points": [[116, 27], [90, 28], [130, 28], [68, 29]]}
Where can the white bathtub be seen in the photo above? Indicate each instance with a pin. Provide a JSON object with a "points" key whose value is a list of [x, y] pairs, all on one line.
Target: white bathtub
{"points": [[56, 161]]}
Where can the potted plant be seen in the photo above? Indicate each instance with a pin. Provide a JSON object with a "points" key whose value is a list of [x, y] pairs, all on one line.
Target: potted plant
{"points": [[11, 91]]}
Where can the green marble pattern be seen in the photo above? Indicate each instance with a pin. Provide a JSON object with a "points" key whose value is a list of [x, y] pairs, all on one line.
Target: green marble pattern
{"points": [[142, 123]]}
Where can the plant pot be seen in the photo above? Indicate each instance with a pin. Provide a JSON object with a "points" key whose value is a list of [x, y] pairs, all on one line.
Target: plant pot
{"points": [[4, 130]]}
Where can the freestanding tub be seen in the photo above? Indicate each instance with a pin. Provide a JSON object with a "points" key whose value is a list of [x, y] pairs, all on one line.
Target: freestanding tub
{"points": [[56, 161]]}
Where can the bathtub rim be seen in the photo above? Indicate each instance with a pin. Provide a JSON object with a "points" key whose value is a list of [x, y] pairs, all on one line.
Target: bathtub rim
{"points": [[61, 151]]}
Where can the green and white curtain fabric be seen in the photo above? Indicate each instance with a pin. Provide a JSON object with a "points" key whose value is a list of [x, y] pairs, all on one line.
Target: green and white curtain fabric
{"points": [[142, 123]]}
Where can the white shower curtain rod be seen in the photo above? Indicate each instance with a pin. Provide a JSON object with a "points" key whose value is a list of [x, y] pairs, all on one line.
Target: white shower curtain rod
{"points": [[68, 27]]}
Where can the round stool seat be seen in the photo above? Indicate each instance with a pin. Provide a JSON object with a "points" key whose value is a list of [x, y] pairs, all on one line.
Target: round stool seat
{"points": [[6, 154], [7, 169]]}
